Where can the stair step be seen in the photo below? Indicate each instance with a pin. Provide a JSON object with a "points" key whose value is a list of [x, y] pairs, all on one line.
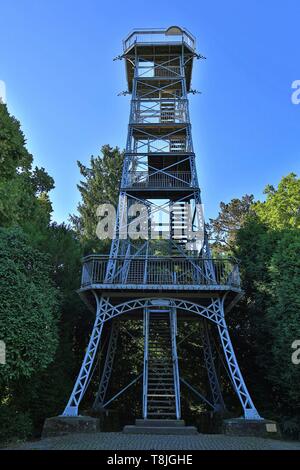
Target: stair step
{"points": [[164, 383], [162, 376], [162, 343], [162, 402], [159, 383], [161, 395], [160, 430], [159, 406], [160, 370], [157, 362], [161, 363], [155, 372], [160, 380], [157, 338], [155, 391], [160, 386], [160, 422], [162, 391], [160, 367]]}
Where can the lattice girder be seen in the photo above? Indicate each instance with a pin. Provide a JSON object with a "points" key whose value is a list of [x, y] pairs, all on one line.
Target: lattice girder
{"points": [[159, 164]]}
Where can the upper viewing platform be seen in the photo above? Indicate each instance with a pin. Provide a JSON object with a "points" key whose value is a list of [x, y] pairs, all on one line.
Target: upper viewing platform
{"points": [[159, 55], [172, 36]]}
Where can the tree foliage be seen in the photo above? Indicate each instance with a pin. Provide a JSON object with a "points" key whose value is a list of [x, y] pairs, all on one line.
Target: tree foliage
{"points": [[42, 320], [100, 185], [266, 321], [283, 318], [223, 229], [24, 198], [281, 209], [28, 307]]}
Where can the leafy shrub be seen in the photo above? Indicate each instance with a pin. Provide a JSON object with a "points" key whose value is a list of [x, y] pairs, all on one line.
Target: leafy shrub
{"points": [[14, 425]]}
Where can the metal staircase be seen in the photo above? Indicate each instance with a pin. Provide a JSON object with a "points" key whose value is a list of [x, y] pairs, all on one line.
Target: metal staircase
{"points": [[167, 110], [179, 222], [161, 383]]}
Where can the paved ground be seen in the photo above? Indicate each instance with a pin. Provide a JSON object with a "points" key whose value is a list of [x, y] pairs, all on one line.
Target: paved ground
{"points": [[120, 441]]}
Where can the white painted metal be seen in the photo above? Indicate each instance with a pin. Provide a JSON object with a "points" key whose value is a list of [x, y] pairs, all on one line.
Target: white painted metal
{"points": [[160, 128]]}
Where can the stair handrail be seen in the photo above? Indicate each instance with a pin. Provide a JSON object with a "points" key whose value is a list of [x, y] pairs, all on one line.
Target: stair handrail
{"points": [[173, 322], [145, 372]]}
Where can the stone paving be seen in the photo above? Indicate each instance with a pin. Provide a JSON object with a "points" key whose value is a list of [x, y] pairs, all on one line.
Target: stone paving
{"points": [[120, 441]]}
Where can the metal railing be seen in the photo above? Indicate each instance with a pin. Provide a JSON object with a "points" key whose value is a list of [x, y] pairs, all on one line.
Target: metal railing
{"points": [[159, 111], [158, 179], [176, 375], [153, 71], [146, 363], [150, 36], [160, 271], [150, 145]]}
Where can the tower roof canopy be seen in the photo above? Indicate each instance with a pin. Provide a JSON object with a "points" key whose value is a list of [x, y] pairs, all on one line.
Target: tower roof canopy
{"points": [[171, 35]]}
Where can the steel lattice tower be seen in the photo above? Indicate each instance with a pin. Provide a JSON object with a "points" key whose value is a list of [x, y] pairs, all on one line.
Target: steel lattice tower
{"points": [[169, 274]]}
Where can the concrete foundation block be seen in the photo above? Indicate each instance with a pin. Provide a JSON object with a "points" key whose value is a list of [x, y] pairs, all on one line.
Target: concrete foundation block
{"points": [[61, 425], [160, 426], [251, 427]]}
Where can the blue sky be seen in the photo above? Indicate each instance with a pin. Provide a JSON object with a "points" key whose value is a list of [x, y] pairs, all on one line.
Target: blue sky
{"points": [[62, 84]]}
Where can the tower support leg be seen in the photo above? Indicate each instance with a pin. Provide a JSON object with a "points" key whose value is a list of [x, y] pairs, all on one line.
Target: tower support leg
{"points": [[173, 324], [146, 359], [216, 393], [86, 368], [242, 392], [106, 374]]}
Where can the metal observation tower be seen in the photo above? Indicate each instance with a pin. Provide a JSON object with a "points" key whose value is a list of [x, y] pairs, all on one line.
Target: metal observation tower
{"points": [[165, 273]]}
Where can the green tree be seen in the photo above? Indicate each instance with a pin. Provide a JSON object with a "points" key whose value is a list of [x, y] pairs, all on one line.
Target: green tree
{"points": [[39, 275], [223, 229], [13, 153], [47, 392], [24, 198], [268, 248], [265, 238], [281, 209], [28, 308], [283, 318], [100, 185]]}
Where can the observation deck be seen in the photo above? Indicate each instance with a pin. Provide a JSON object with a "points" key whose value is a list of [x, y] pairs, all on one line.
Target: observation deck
{"points": [[160, 276], [156, 44]]}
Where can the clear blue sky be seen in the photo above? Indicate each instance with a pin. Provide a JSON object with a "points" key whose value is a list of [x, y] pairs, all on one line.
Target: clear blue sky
{"points": [[56, 59]]}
